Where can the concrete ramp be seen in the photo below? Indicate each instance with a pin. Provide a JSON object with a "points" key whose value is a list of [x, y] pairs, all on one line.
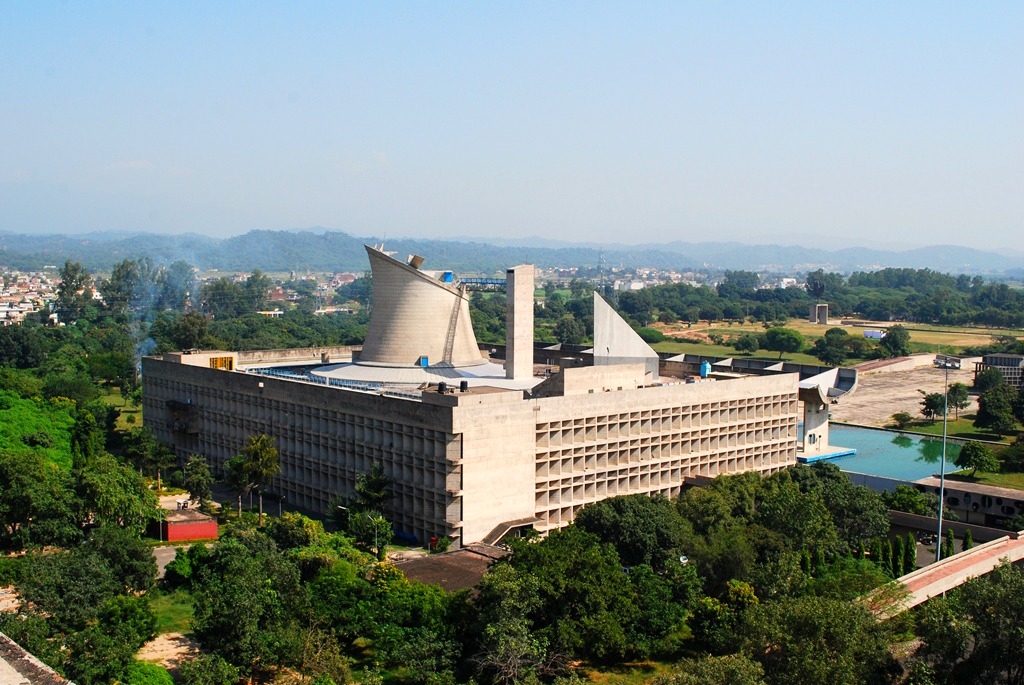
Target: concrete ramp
{"points": [[944, 575]]}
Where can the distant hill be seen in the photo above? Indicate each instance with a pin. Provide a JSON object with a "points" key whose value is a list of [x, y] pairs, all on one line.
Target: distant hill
{"points": [[324, 250]]}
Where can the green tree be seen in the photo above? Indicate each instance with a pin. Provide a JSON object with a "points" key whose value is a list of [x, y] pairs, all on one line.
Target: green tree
{"points": [[932, 404], [371, 530], [972, 633], [958, 397], [37, 503], [372, 489], [817, 640], [968, 541], [895, 342], [73, 292], [909, 499], [731, 669], [643, 530], [832, 348], [197, 479], [128, 556], [262, 463], [112, 493], [989, 378], [901, 419], [995, 409], [246, 596], [748, 343], [208, 669], [783, 340], [974, 456]]}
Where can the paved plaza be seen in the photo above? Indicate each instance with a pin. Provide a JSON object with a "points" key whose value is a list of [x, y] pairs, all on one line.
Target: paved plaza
{"points": [[879, 395]]}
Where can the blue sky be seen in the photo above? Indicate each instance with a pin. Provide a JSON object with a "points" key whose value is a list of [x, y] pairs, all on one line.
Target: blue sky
{"points": [[888, 124]]}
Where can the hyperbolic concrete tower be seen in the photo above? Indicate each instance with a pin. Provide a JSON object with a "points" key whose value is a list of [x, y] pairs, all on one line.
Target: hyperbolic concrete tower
{"points": [[417, 318], [519, 322]]}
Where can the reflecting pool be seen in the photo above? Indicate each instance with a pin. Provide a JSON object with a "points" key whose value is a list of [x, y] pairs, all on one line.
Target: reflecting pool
{"points": [[891, 454]]}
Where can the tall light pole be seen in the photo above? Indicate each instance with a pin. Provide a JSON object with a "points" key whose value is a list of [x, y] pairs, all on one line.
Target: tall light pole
{"points": [[376, 529], [942, 468]]}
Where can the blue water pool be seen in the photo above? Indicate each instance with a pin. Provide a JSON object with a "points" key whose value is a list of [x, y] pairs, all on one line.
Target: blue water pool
{"points": [[891, 454]]}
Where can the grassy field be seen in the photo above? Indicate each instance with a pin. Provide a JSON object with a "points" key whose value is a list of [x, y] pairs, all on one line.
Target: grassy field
{"points": [[114, 399], [962, 428], [173, 611], [712, 350], [923, 338], [1002, 480]]}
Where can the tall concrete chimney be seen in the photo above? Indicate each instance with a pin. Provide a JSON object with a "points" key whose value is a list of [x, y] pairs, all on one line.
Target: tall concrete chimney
{"points": [[519, 322]]}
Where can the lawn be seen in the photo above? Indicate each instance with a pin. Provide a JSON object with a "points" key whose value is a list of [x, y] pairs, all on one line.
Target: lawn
{"points": [[113, 398], [1002, 480], [962, 429], [711, 350], [173, 611]]}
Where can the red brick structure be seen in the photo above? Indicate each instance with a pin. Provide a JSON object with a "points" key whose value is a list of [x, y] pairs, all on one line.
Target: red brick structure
{"points": [[187, 524]]}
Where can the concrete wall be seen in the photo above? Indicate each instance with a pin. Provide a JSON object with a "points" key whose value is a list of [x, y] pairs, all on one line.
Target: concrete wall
{"points": [[411, 317], [300, 354], [519, 322]]}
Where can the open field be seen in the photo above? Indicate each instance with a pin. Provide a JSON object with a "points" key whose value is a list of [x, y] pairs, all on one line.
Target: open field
{"points": [[944, 336], [1002, 480]]}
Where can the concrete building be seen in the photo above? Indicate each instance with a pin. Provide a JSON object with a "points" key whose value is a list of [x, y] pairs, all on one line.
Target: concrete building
{"points": [[1010, 365], [474, 450]]}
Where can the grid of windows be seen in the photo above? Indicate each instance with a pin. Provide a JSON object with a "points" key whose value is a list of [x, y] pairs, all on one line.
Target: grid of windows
{"points": [[322, 448], [585, 459]]}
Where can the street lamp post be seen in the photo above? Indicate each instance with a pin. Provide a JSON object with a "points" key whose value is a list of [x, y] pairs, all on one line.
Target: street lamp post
{"points": [[280, 502], [376, 529], [942, 468]]}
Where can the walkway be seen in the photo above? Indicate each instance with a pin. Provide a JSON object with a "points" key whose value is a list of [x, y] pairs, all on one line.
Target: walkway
{"points": [[945, 575]]}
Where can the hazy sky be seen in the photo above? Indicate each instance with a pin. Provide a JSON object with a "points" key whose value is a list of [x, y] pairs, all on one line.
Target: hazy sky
{"points": [[890, 123]]}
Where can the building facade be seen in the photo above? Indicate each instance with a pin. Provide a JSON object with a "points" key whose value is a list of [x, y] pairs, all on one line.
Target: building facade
{"points": [[466, 464]]}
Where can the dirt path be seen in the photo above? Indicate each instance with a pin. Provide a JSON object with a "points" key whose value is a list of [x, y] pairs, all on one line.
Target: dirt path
{"points": [[169, 650]]}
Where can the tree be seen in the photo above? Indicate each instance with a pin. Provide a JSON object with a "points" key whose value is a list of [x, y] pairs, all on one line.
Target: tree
{"points": [[909, 499], [973, 631], [932, 404], [895, 342], [831, 348], [783, 340], [371, 530], [643, 530], [37, 503], [995, 409], [262, 463], [901, 419], [968, 541], [73, 292], [958, 397], [246, 595], [237, 477], [976, 456], [731, 669], [113, 493], [127, 555], [747, 342], [198, 479], [989, 378], [817, 640], [372, 489]]}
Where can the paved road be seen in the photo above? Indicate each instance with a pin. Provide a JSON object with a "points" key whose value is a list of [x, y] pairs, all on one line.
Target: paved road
{"points": [[163, 556]]}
